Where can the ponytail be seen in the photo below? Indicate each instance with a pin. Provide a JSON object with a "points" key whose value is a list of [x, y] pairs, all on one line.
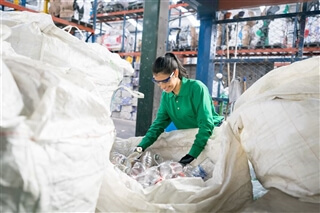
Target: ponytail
{"points": [[167, 64]]}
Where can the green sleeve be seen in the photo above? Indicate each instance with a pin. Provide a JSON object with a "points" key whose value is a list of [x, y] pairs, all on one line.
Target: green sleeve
{"points": [[159, 124], [203, 104]]}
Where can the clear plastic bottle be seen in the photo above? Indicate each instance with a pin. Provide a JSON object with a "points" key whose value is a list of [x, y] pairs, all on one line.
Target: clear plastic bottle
{"points": [[204, 169], [152, 177], [133, 157], [118, 158], [165, 170], [123, 168], [169, 169], [187, 170], [158, 159], [137, 169], [147, 159], [176, 169]]}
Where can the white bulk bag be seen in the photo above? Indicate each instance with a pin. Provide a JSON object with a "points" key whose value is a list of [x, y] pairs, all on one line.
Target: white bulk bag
{"points": [[277, 122], [228, 189], [55, 137], [34, 35], [52, 154]]}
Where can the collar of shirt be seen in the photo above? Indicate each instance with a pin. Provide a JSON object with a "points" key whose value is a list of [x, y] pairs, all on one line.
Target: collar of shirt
{"points": [[184, 90]]}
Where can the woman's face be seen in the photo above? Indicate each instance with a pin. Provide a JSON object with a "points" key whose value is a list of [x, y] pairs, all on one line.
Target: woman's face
{"points": [[167, 82]]}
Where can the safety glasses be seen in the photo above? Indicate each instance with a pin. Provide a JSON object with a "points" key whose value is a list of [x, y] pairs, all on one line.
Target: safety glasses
{"points": [[163, 81]]}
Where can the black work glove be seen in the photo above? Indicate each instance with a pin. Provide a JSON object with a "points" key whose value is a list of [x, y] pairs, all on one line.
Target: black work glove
{"points": [[186, 159]]}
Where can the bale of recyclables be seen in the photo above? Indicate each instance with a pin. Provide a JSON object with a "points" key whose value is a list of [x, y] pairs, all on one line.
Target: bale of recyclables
{"points": [[56, 129]]}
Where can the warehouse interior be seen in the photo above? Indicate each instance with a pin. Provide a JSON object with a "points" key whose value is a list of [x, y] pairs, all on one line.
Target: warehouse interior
{"points": [[78, 96]]}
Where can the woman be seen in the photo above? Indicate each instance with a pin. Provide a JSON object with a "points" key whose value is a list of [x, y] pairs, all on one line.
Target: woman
{"points": [[185, 102]]}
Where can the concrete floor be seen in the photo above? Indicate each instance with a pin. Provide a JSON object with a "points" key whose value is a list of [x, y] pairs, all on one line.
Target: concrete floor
{"points": [[125, 128]]}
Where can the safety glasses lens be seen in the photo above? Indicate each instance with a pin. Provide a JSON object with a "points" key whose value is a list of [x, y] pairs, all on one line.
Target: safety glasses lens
{"points": [[163, 81]]}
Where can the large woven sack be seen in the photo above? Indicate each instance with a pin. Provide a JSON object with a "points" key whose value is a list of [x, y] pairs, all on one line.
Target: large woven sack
{"points": [[34, 35], [57, 130], [277, 122], [228, 189]]}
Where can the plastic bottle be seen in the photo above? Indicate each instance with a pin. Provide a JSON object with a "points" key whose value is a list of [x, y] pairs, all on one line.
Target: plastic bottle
{"points": [[132, 158], [147, 159], [176, 169], [117, 158], [165, 170], [158, 159], [187, 170], [169, 169], [151, 177], [123, 168], [204, 169], [137, 169]]}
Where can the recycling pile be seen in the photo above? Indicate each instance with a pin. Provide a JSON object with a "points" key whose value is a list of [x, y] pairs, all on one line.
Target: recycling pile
{"points": [[150, 168]]}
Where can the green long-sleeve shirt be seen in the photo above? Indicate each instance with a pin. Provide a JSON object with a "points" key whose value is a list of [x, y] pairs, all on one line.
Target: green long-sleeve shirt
{"points": [[191, 108]]}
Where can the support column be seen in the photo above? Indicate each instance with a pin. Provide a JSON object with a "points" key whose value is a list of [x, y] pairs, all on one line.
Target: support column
{"points": [[94, 10], [206, 50], [155, 27], [302, 29]]}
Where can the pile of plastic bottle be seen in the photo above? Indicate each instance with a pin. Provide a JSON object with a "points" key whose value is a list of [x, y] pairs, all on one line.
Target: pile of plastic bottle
{"points": [[150, 168]]}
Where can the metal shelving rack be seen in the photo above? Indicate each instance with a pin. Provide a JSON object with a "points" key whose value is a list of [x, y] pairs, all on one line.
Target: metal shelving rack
{"points": [[298, 51], [57, 20], [264, 57], [123, 15]]}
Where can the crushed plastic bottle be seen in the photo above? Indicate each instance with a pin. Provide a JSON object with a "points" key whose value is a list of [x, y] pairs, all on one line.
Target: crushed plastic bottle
{"points": [[204, 169], [149, 168], [117, 158], [137, 169], [150, 177], [169, 169], [177, 169], [187, 170], [123, 168], [158, 159], [165, 170]]}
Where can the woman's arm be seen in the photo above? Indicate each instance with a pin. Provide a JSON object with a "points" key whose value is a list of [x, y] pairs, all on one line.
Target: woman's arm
{"points": [[159, 124], [202, 101]]}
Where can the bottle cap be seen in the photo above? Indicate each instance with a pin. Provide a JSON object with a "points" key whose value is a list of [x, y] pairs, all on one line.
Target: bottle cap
{"points": [[139, 149]]}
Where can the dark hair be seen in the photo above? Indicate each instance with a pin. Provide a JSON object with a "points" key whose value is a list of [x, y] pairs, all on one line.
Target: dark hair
{"points": [[167, 64]]}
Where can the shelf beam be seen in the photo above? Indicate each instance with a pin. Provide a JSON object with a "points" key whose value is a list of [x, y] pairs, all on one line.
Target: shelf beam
{"points": [[190, 53], [242, 52], [270, 51], [120, 13], [231, 4], [135, 11], [55, 19]]}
